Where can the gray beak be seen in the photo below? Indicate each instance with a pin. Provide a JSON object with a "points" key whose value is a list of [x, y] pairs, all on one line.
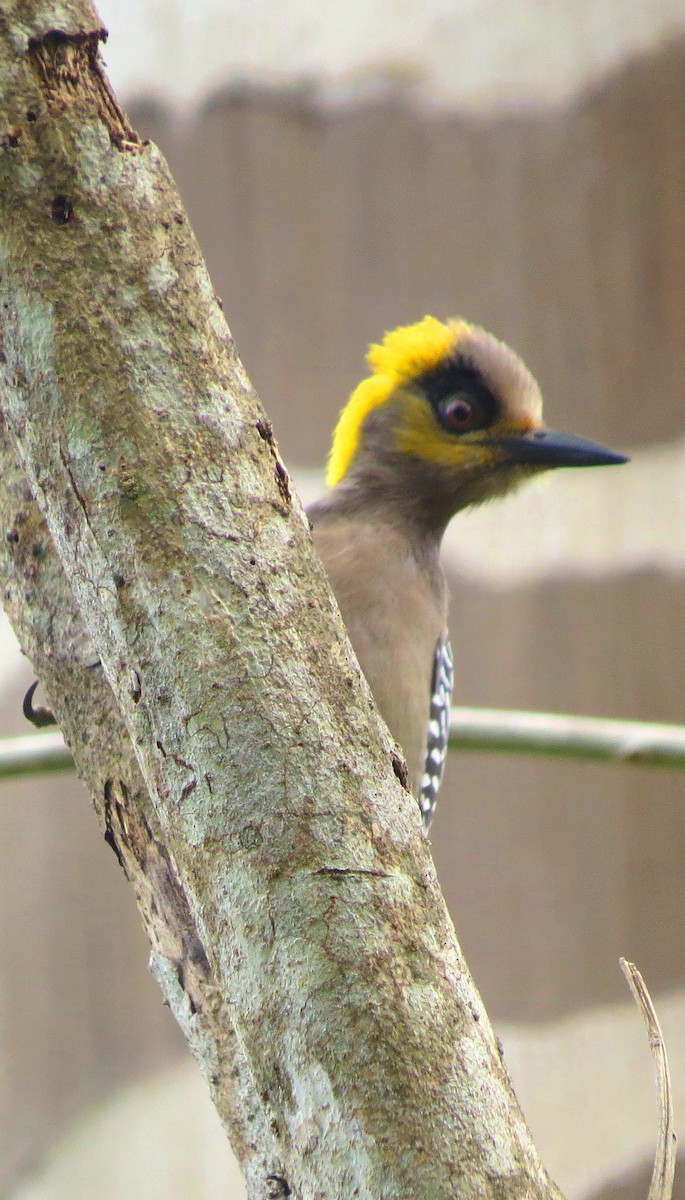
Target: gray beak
{"points": [[545, 448]]}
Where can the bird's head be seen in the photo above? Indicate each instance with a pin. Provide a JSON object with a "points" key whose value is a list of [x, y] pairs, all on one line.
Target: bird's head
{"points": [[449, 416]]}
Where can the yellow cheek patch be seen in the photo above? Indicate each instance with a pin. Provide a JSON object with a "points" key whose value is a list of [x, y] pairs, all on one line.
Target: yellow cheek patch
{"points": [[403, 354], [419, 434]]}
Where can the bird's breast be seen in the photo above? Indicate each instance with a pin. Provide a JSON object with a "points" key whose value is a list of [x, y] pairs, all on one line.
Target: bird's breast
{"points": [[394, 611]]}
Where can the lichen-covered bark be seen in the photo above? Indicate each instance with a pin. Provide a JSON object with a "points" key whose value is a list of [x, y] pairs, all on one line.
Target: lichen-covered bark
{"points": [[298, 853], [38, 600]]}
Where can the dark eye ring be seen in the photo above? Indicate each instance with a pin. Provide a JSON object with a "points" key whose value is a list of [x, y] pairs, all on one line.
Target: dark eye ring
{"points": [[458, 414]]}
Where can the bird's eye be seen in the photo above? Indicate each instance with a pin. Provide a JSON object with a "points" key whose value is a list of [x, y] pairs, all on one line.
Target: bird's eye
{"points": [[460, 397], [458, 414]]}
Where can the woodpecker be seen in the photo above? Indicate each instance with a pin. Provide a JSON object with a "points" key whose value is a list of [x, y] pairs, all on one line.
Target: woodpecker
{"points": [[448, 417]]}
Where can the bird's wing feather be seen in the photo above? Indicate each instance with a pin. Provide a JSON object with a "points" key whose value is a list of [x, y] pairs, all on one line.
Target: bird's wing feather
{"points": [[438, 728]]}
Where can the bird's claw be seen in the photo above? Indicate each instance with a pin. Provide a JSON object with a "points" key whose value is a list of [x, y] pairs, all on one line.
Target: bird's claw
{"points": [[40, 717]]}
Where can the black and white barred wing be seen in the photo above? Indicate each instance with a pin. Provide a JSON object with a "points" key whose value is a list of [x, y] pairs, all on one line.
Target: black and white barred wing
{"points": [[438, 729]]}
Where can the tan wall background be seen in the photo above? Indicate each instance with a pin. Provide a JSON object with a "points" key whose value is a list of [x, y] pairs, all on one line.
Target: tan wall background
{"points": [[562, 228]]}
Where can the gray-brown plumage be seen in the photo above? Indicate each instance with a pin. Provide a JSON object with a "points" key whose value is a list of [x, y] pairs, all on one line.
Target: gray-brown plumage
{"points": [[392, 596], [450, 417]]}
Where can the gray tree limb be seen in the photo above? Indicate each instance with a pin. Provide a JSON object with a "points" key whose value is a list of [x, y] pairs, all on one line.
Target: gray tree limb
{"points": [[41, 606], [266, 788]]}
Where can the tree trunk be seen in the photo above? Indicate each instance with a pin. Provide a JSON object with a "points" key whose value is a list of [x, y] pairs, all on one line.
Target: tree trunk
{"points": [[278, 859]]}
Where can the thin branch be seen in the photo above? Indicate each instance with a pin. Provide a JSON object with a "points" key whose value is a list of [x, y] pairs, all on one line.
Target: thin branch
{"points": [[590, 739], [661, 1186], [34, 754], [585, 739]]}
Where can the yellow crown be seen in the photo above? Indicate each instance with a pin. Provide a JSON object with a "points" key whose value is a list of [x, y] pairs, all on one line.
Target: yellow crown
{"points": [[404, 354]]}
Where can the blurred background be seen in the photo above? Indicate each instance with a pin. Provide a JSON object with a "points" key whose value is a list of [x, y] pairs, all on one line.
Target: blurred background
{"points": [[349, 167]]}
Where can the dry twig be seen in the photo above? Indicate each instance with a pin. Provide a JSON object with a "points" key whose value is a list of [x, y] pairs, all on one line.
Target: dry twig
{"points": [[661, 1186]]}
